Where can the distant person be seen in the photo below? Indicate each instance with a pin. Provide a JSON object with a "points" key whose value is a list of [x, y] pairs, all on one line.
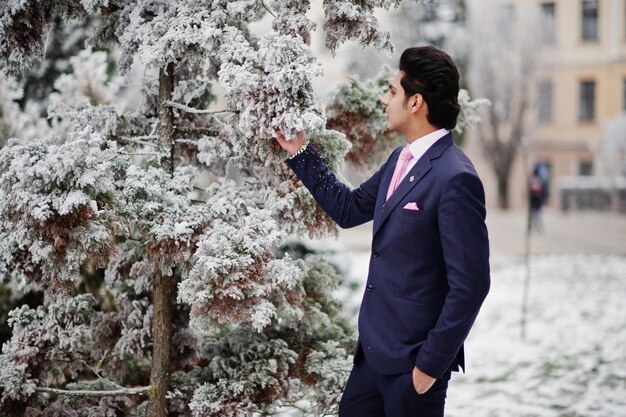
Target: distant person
{"points": [[429, 267], [537, 197], [542, 170]]}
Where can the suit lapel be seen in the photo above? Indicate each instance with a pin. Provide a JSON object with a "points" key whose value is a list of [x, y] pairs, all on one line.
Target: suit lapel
{"points": [[386, 181], [418, 172]]}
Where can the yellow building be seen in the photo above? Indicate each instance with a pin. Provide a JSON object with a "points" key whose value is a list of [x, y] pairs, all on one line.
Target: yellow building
{"points": [[578, 83]]}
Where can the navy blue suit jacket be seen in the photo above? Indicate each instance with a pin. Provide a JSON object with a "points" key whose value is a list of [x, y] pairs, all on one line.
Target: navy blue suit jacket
{"points": [[429, 269]]}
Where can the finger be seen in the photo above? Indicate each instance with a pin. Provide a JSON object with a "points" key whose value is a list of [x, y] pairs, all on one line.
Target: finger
{"points": [[279, 135]]}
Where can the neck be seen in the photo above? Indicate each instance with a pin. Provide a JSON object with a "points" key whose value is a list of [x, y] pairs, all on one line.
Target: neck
{"points": [[418, 131]]}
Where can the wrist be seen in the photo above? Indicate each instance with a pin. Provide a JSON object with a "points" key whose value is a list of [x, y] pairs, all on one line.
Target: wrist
{"points": [[300, 150]]}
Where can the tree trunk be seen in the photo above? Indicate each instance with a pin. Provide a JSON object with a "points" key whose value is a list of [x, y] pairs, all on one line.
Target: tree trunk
{"points": [[503, 190], [162, 339], [162, 290]]}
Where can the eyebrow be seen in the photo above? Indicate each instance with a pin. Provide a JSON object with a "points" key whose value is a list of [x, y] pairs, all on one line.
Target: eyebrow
{"points": [[391, 87]]}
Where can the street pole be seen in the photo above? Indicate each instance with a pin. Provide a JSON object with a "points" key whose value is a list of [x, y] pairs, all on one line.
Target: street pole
{"points": [[527, 242]]}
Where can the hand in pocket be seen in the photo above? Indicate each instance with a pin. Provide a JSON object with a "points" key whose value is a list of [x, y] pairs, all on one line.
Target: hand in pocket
{"points": [[422, 382]]}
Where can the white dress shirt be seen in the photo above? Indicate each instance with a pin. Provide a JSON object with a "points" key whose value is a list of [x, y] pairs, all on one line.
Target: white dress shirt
{"points": [[419, 147]]}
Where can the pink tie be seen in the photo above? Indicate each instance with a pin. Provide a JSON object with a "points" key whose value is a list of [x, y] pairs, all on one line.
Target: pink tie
{"points": [[403, 159]]}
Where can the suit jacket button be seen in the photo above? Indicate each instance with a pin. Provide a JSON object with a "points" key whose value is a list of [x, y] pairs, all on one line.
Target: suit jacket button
{"points": [[375, 254], [370, 287]]}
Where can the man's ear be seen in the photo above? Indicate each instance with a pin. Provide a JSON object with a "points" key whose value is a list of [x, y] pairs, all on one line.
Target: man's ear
{"points": [[416, 102]]}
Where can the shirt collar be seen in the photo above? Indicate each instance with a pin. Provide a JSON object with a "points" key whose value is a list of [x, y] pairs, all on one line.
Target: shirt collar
{"points": [[421, 145]]}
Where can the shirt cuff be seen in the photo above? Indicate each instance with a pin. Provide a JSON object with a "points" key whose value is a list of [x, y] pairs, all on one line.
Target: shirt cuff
{"points": [[301, 150]]}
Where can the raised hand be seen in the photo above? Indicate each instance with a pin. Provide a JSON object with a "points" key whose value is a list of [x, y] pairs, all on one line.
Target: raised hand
{"points": [[291, 145]]}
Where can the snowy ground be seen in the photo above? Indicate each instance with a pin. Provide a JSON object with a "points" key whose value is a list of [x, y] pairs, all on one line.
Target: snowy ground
{"points": [[573, 361]]}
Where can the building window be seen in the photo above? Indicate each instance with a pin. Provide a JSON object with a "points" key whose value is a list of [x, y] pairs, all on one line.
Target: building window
{"points": [[548, 30], [585, 168], [544, 105], [590, 20], [587, 101]]}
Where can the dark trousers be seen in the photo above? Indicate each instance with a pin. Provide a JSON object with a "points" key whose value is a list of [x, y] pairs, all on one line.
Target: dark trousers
{"points": [[369, 394]]}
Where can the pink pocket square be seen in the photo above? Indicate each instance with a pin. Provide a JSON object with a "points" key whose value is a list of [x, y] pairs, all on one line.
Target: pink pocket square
{"points": [[411, 206]]}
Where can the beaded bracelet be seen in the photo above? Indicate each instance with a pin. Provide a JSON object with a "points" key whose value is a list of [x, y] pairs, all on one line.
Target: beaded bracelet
{"points": [[302, 149]]}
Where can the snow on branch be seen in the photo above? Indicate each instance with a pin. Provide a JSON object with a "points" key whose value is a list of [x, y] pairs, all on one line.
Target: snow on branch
{"points": [[139, 140], [271, 86], [188, 109], [354, 20], [291, 19], [469, 115], [92, 393], [47, 235], [25, 123], [209, 131], [159, 206], [22, 27]]}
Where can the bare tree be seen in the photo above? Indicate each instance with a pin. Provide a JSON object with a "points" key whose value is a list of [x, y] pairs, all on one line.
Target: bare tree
{"points": [[502, 64]]}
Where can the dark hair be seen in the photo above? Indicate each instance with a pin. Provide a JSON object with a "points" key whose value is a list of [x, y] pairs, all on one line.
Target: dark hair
{"points": [[432, 73]]}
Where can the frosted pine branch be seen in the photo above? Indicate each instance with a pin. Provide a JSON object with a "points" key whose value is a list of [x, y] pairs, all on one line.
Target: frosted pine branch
{"points": [[140, 153], [137, 141], [140, 137], [268, 9], [469, 115], [188, 109], [92, 393], [194, 129]]}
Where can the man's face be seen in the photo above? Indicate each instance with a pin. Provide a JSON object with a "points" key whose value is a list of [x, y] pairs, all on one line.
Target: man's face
{"points": [[398, 113]]}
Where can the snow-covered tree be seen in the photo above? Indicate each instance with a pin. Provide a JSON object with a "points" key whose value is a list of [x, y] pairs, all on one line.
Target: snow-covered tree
{"points": [[63, 40], [177, 210], [15, 120]]}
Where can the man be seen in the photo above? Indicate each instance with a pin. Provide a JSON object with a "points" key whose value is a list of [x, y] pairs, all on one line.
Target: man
{"points": [[429, 267]]}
